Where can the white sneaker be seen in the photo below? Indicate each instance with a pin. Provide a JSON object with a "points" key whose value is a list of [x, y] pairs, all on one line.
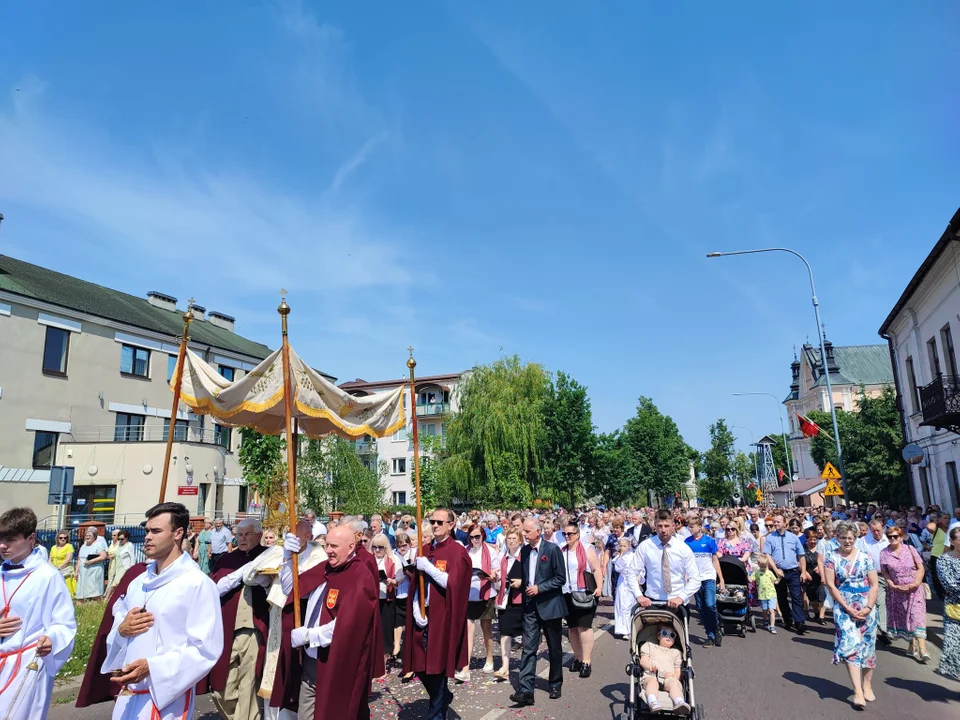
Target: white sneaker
{"points": [[654, 706], [462, 676], [681, 707], [773, 630], [488, 668]]}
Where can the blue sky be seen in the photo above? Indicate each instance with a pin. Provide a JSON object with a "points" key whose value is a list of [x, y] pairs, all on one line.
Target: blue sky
{"points": [[487, 178]]}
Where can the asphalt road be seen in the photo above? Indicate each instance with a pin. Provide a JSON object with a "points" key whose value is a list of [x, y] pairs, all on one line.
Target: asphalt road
{"points": [[762, 676]]}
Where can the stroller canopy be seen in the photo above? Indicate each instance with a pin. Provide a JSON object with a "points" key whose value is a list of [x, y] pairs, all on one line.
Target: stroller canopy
{"points": [[734, 571]]}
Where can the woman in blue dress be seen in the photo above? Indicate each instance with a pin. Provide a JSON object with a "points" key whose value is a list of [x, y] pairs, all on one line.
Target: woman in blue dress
{"points": [[851, 578]]}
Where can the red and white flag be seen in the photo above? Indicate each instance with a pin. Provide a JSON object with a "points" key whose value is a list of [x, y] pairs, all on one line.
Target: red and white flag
{"points": [[807, 426]]}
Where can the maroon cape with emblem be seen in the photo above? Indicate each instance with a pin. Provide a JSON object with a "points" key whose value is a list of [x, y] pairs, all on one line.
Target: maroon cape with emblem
{"points": [[344, 668], [367, 559], [96, 687], [217, 680], [446, 652]]}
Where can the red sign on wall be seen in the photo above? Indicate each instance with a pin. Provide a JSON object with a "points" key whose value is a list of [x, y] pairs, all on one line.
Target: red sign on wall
{"points": [[188, 490]]}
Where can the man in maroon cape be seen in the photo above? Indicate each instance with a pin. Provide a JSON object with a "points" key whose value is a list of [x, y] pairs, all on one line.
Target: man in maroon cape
{"points": [[325, 667], [246, 624], [434, 646], [96, 687], [366, 558]]}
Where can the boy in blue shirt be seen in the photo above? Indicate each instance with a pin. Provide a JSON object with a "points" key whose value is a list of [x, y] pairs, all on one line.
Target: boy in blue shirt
{"points": [[707, 555]]}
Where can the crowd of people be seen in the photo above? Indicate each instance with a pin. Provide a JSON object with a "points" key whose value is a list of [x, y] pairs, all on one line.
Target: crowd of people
{"points": [[212, 609]]}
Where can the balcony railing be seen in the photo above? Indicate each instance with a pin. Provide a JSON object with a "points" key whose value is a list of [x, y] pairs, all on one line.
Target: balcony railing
{"points": [[940, 402], [365, 447], [428, 409], [149, 433]]}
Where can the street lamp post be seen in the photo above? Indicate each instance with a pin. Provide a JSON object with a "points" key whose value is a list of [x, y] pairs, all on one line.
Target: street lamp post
{"points": [[823, 350], [786, 448]]}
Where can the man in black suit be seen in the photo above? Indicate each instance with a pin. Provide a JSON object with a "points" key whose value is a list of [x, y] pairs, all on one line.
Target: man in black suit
{"points": [[640, 531], [543, 610]]}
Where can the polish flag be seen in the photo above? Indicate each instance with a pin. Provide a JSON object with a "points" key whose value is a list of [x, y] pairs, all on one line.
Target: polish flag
{"points": [[807, 426]]}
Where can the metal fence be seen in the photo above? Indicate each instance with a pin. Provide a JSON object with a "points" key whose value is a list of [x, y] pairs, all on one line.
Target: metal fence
{"points": [[48, 538]]}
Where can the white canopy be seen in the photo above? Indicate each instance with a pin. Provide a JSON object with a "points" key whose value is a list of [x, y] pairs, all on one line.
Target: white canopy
{"points": [[256, 400]]}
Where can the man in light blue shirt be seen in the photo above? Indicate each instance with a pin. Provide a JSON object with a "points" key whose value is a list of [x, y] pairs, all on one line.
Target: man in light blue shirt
{"points": [[220, 539], [786, 553]]}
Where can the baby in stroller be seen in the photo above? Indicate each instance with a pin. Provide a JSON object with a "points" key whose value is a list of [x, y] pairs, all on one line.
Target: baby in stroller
{"points": [[661, 665]]}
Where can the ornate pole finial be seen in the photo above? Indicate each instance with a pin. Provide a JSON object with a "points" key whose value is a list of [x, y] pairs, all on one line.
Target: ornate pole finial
{"points": [[284, 309], [411, 363]]}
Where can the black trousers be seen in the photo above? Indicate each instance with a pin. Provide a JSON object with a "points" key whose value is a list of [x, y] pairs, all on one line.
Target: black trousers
{"points": [[533, 626], [790, 598], [440, 695]]}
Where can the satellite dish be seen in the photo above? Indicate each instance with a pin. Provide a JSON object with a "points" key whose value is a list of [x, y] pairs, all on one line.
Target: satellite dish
{"points": [[736, 499], [913, 454]]}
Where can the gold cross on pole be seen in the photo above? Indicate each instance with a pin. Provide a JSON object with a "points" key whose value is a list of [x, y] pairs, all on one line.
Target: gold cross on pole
{"points": [[283, 294]]}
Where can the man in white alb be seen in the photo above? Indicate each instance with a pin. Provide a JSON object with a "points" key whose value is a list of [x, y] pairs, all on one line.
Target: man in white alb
{"points": [[37, 623], [168, 630]]}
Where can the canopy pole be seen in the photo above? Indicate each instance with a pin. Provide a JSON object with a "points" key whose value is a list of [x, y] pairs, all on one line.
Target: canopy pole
{"points": [[411, 363], [284, 311], [177, 385]]}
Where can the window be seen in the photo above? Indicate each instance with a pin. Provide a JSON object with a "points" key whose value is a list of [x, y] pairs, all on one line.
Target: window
{"points": [[399, 498], [226, 371], [949, 356], [222, 436], [934, 358], [242, 500], [129, 428], [134, 361], [914, 389], [171, 367], [924, 486], [94, 502], [400, 435], [180, 430], [44, 449], [399, 466], [953, 482], [55, 349], [428, 429]]}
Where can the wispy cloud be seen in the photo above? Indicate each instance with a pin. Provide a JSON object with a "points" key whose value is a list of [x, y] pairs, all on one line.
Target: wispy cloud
{"points": [[356, 161], [156, 207]]}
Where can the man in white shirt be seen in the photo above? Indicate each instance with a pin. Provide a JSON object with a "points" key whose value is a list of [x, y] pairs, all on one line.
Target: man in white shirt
{"points": [[317, 527], [872, 543], [755, 518], [667, 565]]}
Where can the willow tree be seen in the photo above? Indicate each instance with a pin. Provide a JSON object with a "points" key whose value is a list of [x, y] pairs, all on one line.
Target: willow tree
{"points": [[496, 440]]}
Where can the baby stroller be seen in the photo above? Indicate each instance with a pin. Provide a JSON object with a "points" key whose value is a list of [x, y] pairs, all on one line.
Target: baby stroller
{"points": [[732, 607], [643, 628]]}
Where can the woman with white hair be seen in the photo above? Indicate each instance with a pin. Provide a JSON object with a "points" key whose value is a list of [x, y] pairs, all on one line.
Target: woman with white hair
{"points": [[90, 570]]}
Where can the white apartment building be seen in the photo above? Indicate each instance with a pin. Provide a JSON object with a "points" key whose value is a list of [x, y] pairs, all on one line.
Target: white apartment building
{"points": [[850, 367], [436, 401], [84, 382], [920, 332]]}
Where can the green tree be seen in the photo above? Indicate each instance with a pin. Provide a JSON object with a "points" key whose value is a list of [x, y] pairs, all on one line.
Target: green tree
{"points": [[872, 441], [569, 447], [496, 440], [261, 457], [716, 485], [435, 485], [616, 476], [743, 475], [331, 475], [662, 457]]}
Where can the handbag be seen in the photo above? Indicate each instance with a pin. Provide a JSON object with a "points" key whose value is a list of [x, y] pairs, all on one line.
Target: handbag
{"points": [[585, 600]]}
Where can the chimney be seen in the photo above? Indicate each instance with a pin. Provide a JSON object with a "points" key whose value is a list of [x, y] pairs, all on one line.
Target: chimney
{"points": [[164, 302], [222, 321], [199, 312]]}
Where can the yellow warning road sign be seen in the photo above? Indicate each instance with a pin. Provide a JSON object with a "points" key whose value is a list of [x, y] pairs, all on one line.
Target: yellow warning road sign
{"points": [[830, 472], [832, 489]]}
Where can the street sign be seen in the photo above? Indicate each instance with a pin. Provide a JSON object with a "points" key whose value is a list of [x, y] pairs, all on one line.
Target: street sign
{"points": [[759, 496], [188, 490], [833, 489], [830, 473]]}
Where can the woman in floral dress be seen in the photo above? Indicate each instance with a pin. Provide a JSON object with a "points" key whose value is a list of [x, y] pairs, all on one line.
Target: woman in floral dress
{"points": [[732, 544], [948, 569], [851, 579], [902, 568]]}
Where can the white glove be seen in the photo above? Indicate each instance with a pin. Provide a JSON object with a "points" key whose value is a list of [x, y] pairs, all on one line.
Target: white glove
{"points": [[229, 582], [299, 636], [291, 545], [440, 578], [323, 635], [420, 621]]}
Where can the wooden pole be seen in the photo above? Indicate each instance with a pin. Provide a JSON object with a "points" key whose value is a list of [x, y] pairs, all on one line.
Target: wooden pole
{"points": [[284, 311], [411, 363], [177, 385]]}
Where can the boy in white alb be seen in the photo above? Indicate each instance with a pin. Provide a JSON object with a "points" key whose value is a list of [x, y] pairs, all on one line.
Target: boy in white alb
{"points": [[167, 630], [37, 621]]}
